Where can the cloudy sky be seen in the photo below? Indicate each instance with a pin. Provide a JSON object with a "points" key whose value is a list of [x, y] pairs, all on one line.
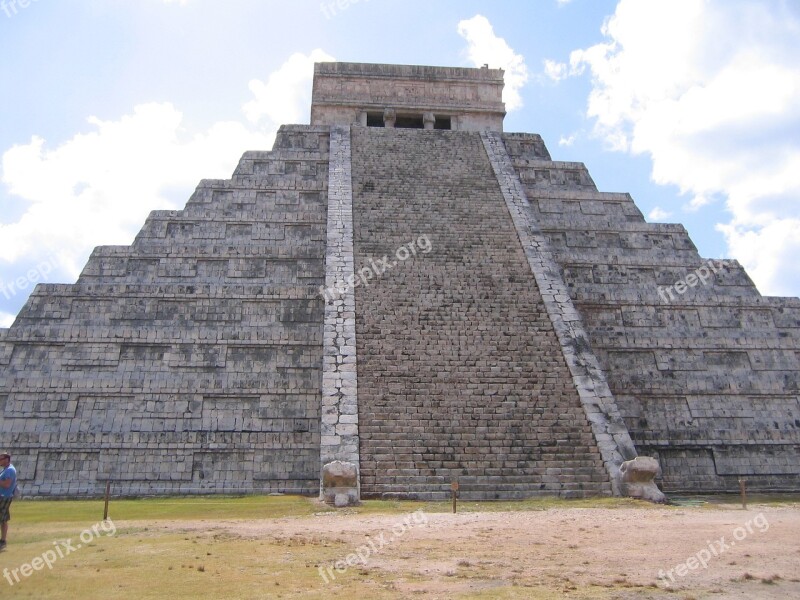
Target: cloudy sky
{"points": [[114, 108]]}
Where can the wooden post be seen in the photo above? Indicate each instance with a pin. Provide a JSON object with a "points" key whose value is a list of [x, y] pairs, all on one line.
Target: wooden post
{"points": [[454, 491], [743, 492], [108, 493]]}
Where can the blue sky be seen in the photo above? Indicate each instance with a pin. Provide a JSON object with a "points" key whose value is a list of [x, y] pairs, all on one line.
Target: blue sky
{"points": [[115, 108]]}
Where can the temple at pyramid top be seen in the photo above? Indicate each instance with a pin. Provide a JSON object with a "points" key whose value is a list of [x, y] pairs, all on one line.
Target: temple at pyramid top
{"points": [[408, 96]]}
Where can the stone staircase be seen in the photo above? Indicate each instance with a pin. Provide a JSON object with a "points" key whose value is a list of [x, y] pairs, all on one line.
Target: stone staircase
{"points": [[460, 374], [707, 380]]}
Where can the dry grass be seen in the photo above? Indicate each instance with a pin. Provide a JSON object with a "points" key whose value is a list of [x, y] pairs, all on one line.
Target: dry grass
{"points": [[275, 547]]}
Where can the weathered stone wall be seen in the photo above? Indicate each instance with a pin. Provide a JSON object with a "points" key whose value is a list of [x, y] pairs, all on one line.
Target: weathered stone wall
{"points": [[190, 361], [707, 380], [472, 97], [339, 430], [460, 373], [598, 402]]}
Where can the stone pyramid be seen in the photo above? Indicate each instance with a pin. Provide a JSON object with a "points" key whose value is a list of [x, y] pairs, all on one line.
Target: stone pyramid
{"points": [[403, 288]]}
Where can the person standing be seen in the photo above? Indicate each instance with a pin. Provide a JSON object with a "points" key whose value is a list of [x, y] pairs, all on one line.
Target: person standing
{"points": [[8, 485]]}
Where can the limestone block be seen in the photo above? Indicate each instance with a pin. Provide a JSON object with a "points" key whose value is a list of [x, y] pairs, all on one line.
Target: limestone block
{"points": [[636, 479], [340, 483]]}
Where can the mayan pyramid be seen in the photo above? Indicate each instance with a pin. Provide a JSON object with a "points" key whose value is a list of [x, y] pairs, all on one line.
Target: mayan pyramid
{"points": [[403, 287]]}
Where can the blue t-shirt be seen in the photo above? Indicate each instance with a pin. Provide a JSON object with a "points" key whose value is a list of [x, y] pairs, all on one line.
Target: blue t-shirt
{"points": [[9, 473]]}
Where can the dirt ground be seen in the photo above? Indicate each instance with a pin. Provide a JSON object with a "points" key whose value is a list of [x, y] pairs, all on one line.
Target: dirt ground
{"points": [[625, 553]]}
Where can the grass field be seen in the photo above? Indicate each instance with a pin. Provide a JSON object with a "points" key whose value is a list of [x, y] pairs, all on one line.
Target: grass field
{"points": [[209, 548]]}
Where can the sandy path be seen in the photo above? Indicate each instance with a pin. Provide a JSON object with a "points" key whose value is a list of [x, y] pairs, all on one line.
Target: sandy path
{"points": [[748, 554]]}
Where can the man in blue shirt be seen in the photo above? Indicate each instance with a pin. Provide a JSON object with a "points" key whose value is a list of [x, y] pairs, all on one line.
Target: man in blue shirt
{"points": [[8, 484]]}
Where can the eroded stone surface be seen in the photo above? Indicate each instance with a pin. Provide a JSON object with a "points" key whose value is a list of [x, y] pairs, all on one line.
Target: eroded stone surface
{"points": [[637, 479], [706, 379], [596, 398], [203, 358], [340, 483], [461, 374], [339, 428], [189, 362], [344, 93]]}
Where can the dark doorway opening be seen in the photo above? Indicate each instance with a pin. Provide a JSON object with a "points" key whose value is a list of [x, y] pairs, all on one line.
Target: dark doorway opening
{"points": [[409, 122], [443, 123], [374, 119]]}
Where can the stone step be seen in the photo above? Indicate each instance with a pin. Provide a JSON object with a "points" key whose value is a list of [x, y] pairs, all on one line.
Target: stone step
{"points": [[456, 352]]}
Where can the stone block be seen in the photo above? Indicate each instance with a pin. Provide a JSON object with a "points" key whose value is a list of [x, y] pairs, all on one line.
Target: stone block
{"points": [[636, 479], [340, 484]]}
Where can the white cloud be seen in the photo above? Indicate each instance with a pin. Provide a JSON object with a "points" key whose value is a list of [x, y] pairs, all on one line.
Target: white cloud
{"points": [[98, 187], [567, 141], [563, 2], [6, 319], [286, 95], [555, 70], [711, 91], [484, 47], [659, 214], [769, 251]]}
